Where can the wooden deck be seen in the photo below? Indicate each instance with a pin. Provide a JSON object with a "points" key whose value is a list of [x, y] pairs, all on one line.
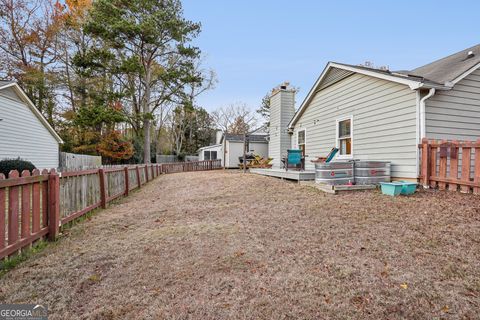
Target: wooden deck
{"points": [[290, 174]]}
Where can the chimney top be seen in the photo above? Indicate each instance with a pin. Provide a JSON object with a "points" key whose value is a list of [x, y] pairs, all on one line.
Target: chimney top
{"points": [[285, 86]]}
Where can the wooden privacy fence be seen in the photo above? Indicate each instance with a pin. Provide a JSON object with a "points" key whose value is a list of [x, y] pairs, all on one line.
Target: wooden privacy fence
{"points": [[36, 205], [452, 165], [191, 166]]}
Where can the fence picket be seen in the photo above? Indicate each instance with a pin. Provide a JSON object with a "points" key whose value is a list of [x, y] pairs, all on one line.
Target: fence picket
{"points": [[442, 170], [476, 177], [466, 158], [25, 218], [2, 214], [453, 165], [13, 209], [433, 165], [35, 203]]}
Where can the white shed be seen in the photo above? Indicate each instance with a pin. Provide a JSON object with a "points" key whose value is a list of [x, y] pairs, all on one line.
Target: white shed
{"points": [[24, 132]]}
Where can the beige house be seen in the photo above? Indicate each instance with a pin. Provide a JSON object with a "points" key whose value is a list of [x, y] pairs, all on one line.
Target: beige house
{"points": [[374, 114]]}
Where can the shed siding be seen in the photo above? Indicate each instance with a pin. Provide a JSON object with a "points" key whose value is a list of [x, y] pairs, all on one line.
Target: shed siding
{"points": [[23, 135], [455, 114], [384, 122], [218, 148]]}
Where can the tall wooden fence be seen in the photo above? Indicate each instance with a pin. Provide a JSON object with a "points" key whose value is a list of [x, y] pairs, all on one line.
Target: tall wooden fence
{"points": [[452, 165], [33, 206]]}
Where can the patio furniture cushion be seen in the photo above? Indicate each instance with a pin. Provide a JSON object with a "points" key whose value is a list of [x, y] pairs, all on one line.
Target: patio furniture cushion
{"points": [[294, 156]]}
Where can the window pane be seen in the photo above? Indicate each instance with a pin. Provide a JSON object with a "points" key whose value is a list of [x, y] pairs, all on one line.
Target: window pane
{"points": [[344, 128], [345, 146], [206, 155], [301, 137], [213, 155]]}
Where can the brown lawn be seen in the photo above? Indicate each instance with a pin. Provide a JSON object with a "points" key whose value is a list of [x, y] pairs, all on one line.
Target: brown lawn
{"points": [[224, 245]]}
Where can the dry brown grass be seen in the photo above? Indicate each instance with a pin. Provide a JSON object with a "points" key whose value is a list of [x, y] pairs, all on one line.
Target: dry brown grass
{"points": [[217, 245]]}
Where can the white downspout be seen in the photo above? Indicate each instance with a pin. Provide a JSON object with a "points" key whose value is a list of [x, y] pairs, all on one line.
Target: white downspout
{"points": [[422, 113], [421, 133]]}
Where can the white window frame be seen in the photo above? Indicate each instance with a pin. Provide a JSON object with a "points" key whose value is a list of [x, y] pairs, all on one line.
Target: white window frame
{"points": [[305, 142], [337, 139]]}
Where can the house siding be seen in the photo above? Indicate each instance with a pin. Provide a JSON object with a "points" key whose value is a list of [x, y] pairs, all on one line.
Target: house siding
{"points": [[455, 114], [23, 135], [384, 122]]}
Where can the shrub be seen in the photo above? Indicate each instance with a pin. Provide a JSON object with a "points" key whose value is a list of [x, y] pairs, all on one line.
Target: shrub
{"points": [[18, 164]]}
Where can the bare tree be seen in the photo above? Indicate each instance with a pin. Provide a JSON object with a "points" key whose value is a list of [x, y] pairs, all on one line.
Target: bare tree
{"points": [[235, 118]]}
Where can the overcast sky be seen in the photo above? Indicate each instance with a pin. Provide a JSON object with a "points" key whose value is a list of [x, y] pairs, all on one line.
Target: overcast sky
{"points": [[255, 45]]}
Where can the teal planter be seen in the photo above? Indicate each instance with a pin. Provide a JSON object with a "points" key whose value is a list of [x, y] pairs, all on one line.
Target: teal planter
{"points": [[391, 188], [407, 187]]}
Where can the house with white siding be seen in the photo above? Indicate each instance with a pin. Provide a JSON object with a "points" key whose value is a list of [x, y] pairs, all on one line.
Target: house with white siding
{"points": [[24, 132], [378, 114]]}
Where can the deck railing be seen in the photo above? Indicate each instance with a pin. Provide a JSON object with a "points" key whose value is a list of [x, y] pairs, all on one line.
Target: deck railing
{"points": [[452, 165], [33, 206]]}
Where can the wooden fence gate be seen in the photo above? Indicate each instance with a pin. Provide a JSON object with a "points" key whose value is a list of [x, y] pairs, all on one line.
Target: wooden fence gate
{"points": [[452, 165]]}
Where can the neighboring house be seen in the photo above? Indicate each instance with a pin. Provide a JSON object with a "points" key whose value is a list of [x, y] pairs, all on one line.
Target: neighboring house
{"points": [[230, 147], [24, 132], [373, 114]]}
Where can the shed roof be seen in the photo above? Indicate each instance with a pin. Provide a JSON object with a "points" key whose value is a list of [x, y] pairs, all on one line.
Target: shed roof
{"points": [[251, 138]]}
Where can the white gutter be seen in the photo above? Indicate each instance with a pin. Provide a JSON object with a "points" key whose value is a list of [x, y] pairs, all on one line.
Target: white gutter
{"points": [[422, 112]]}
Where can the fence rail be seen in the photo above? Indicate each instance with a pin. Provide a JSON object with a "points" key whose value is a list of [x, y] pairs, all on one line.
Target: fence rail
{"points": [[452, 165], [36, 205]]}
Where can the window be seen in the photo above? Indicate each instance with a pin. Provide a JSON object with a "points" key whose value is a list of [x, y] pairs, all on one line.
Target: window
{"points": [[206, 155], [301, 141], [344, 137], [209, 155]]}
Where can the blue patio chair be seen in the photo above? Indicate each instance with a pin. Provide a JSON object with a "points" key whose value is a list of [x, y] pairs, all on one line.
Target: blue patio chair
{"points": [[294, 158]]}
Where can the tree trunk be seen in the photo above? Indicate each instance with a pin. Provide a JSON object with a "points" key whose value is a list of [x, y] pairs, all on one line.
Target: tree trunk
{"points": [[146, 116]]}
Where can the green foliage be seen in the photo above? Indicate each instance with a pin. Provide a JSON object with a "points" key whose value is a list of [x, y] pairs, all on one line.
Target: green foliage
{"points": [[97, 115], [264, 109], [18, 164]]}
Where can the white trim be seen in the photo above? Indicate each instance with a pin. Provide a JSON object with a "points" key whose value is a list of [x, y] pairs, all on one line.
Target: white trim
{"points": [[32, 107], [411, 83], [463, 75], [296, 142], [337, 121]]}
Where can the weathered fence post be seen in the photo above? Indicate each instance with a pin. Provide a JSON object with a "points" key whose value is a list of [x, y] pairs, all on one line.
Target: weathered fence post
{"points": [[53, 205], [137, 170], [103, 191], [425, 163], [146, 173], [127, 183]]}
